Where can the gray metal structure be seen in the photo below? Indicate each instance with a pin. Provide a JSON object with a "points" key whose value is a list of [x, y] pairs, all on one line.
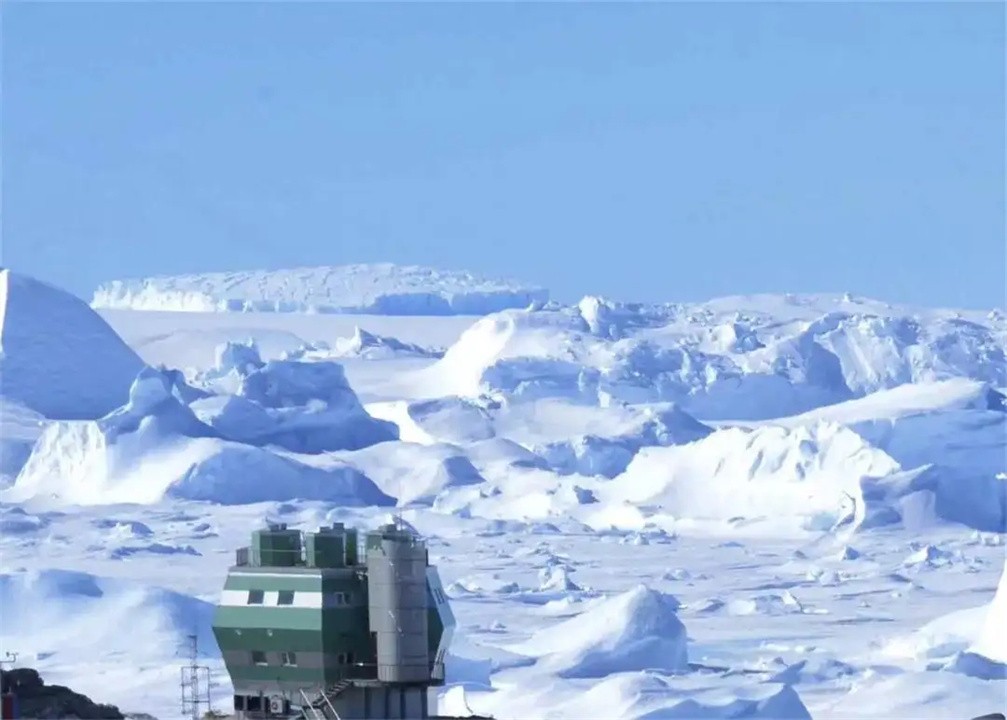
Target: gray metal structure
{"points": [[397, 591]]}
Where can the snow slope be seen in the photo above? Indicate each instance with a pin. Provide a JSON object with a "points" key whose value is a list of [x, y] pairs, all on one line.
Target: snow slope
{"points": [[41, 609], [635, 630], [909, 419], [987, 656], [59, 619], [808, 476], [50, 341], [958, 427], [380, 289]]}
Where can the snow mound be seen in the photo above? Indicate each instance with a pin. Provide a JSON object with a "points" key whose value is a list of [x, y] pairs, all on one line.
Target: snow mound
{"points": [[648, 696], [15, 521], [815, 669], [365, 346], [770, 604], [239, 358], [939, 639], [520, 354], [958, 425], [986, 658], [155, 447], [449, 419], [810, 475], [305, 407], [570, 438], [614, 436], [928, 495], [237, 474], [929, 556], [42, 612], [636, 630], [414, 474], [556, 578], [378, 289], [741, 367], [57, 356], [75, 463]]}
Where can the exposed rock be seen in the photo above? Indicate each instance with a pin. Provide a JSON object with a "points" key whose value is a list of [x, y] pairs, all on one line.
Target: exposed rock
{"points": [[35, 699]]}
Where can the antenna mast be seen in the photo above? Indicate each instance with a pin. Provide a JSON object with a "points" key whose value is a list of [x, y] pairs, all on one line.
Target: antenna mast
{"points": [[195, 683]]}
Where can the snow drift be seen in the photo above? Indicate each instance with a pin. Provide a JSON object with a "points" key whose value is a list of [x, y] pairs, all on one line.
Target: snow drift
{"points": [[378, 289], [648, 696], [42, 612], [808, 475], [570, 438], [738, 367], [155, 447], [816, 477], [958, 425], [972, 641], [414, 474], [636, 630], [305, 407], [987, 656], [57, 356], [363, 345]]}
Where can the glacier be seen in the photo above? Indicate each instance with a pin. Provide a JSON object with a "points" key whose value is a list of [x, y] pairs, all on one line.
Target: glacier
{"points": [[376, 289]]}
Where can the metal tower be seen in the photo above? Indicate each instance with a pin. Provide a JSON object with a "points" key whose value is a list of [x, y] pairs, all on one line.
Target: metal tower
{"points": [[195, 683]]}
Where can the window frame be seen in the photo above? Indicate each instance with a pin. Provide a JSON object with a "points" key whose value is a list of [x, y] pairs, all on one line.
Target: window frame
{"points": [[256, 597], [259, 658], [288, 659], [287, 595]]}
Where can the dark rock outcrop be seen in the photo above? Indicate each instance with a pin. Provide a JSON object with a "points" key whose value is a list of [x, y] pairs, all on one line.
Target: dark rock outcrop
{"points": [[37, 700]]}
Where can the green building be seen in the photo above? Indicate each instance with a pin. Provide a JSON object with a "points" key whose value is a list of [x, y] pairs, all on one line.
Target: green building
{"points": [[330, 625]]}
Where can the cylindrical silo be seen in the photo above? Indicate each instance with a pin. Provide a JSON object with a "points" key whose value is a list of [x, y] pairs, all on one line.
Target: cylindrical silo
{"points": [[396, 585]]}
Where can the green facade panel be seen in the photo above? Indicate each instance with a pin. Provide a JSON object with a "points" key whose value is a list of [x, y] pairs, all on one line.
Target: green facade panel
{"points": [[272, 582], [309, 625], [278, 641], [265, 673], [268, 618]]}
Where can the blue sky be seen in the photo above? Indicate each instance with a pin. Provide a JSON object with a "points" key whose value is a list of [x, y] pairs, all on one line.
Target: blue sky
{"points": [[649, 152]]}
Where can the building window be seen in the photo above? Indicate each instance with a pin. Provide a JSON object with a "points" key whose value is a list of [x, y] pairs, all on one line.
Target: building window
{"points": [[289, 659], [285, 597], [259, 657], [255, 597]]}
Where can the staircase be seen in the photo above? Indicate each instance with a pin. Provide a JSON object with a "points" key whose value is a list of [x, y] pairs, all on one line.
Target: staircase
{"points": [[321, 708]]}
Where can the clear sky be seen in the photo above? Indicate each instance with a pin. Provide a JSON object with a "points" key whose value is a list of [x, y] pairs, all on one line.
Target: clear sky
{"points": [[645, 152]]}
